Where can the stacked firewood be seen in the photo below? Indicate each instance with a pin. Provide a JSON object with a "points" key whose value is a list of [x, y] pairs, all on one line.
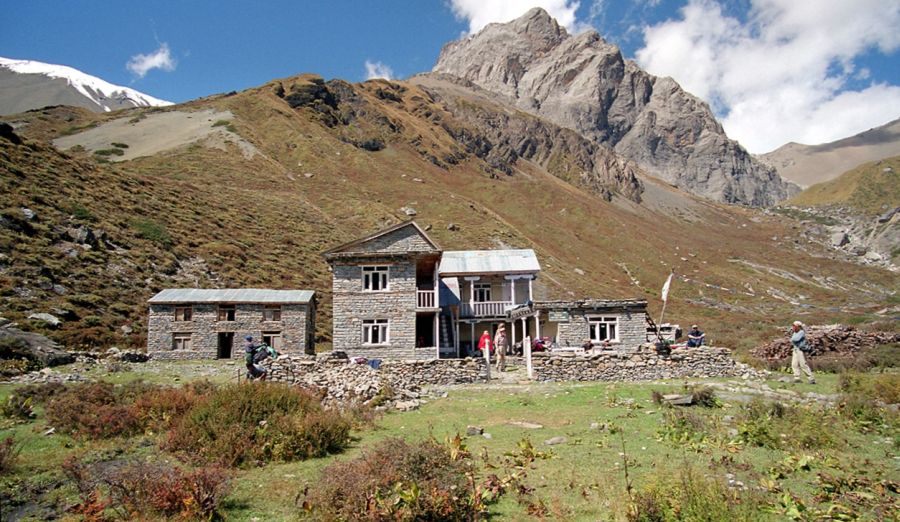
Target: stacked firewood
{"points": [[835, 339]]}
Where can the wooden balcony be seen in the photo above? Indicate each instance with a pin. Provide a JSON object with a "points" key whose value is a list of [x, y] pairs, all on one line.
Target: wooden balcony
{"points": [[426, 299], [485, 309]]}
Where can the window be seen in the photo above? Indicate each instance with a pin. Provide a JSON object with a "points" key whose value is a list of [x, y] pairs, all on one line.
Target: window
{"points": [[375, 278], [273, 339], [604, 329], [226, 312], [183, 313], [181, 341], [375, 331], [272, 313], [482, 292]]}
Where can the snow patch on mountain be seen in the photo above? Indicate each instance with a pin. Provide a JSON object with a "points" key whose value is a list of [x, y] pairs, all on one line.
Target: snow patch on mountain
{"points": [[91, 87]]}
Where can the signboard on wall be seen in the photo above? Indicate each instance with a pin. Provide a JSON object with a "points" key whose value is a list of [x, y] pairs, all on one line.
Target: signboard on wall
{"points": [[558, 316]]}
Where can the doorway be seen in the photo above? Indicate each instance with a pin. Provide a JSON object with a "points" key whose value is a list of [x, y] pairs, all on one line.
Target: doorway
{"points": [[226, 342]]}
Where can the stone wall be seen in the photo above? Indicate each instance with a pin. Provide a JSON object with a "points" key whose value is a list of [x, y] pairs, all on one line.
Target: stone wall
{"points": [[205, 327], [406, 240], [397, 304], [632, 328], [345, 380], [639, 366]]}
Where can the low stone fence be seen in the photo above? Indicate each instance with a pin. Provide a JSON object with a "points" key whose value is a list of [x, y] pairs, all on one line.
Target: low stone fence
{"points": [[345, 380], [640, 366]]}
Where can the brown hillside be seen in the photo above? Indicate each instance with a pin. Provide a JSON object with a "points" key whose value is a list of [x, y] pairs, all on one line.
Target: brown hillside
{"points": [[335, 161]]}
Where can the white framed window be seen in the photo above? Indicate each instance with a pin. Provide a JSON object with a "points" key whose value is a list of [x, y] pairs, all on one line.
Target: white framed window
{"points": [[184, 313], [482, 292], [604, 328], [375, 278], [272, 313], [376, 331], [181, 341]]}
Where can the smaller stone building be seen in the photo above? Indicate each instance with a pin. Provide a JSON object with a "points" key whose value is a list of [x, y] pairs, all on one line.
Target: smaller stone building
{"points": [[193, 323], [614, 323]]}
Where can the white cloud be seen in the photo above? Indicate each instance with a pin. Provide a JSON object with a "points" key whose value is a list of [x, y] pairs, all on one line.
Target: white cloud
{"points": [[141, 64], [378, 70], [479, 13], [783, 74]]}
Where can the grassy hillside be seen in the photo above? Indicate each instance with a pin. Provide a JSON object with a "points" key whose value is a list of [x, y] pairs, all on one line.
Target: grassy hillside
{"points": [[336, 163], [871, 188]]}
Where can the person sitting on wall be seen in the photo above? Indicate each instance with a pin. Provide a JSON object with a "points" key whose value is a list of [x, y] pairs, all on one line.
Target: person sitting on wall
{"points": [[695, 337], [255, 370], [485, 342]]}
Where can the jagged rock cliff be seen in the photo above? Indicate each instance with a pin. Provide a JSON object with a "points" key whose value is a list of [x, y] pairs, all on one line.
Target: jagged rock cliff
{"points": [[583, 83]]}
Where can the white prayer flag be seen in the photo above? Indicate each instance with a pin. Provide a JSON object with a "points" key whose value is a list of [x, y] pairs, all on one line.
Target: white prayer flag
{"points": [[665, 290]]}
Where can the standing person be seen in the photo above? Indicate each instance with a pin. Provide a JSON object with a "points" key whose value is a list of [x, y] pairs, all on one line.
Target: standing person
{"points": [[254, 370], [500, 347], [485, 342], [695, 337], [798, 360]]}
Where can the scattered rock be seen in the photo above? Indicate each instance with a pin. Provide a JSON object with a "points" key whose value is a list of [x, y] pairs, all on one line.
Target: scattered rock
{"points": [[839, 239], [471, 431], [127, 330], [527, 425], [308, 175], [487, 435], [28, 213], [453, 227], [409, 211], [579, 271], [555, 440], [50, 319]]}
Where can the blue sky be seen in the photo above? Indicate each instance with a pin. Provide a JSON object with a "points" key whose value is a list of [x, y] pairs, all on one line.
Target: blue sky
{"points": [[732, 53]]}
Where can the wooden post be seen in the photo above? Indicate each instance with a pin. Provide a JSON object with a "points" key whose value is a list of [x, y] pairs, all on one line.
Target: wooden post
{"points": [[524, 334], [530, 288], [512, 333], [537, 333], [512, 290]]}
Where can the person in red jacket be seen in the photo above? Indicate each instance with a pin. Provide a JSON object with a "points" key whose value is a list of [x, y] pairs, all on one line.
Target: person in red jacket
{"points": [[485, 342]]}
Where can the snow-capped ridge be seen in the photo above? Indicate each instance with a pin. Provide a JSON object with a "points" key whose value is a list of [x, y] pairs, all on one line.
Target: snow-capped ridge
{"points": [[91, 87]]}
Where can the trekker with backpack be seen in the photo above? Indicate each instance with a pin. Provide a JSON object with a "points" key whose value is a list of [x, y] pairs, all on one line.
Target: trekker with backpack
{"points": [[252, 359], [801, 346]]}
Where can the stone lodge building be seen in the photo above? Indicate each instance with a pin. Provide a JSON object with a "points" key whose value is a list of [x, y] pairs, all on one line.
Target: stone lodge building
{"points": [[398, 295], [192, 323]]}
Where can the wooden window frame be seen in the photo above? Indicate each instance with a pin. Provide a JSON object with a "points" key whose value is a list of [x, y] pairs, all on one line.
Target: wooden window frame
{"points": [[178, 341], [184, 317], [224, 310], [267, 338], [272, 310], [370, 325], [368, 280], [484, 290]]}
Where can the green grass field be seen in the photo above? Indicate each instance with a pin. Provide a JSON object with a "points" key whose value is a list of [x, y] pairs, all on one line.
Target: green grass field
{"points": [[606, 426]]}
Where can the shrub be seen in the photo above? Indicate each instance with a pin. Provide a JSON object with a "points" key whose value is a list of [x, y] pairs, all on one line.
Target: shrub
{"points": [[41, 393], [152, 231], [689, 496], [775, 426], [109, 152], [258, 422], [161, 408], [141, 488], [17, 407], [683, 426], [96, 410], [397, 480], [9, 451], [119, 145]]}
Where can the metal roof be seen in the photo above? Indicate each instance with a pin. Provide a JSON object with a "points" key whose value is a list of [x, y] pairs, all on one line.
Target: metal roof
{"points": [[489, 262], [231, 295]]}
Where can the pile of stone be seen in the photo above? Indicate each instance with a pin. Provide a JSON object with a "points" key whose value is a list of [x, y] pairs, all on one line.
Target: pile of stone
{"points": [[642, 365], [112, 354], [835, 339], [46, 376], [396, 384]]}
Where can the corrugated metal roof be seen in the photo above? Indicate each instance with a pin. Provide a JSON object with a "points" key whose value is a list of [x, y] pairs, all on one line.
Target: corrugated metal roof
{"points": [[489, 262], [231, 295]]}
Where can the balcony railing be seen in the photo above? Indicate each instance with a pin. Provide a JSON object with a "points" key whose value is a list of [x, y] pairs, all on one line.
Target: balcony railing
{"points": [[426, 299], [485, 309]]}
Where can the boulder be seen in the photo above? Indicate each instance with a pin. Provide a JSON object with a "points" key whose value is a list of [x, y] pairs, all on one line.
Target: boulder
{"points": [[839, 239], [50, 319], [16, 344]]}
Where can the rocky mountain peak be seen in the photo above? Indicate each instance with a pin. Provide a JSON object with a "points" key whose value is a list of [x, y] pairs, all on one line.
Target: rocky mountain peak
{"points": [[584, 83]]}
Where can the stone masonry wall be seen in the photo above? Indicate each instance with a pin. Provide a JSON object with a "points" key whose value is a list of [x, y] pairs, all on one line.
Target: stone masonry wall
{"points": [[204, 328], [403, 241], [639, 366], [397, 304], [632, 328], [345, 380]]}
